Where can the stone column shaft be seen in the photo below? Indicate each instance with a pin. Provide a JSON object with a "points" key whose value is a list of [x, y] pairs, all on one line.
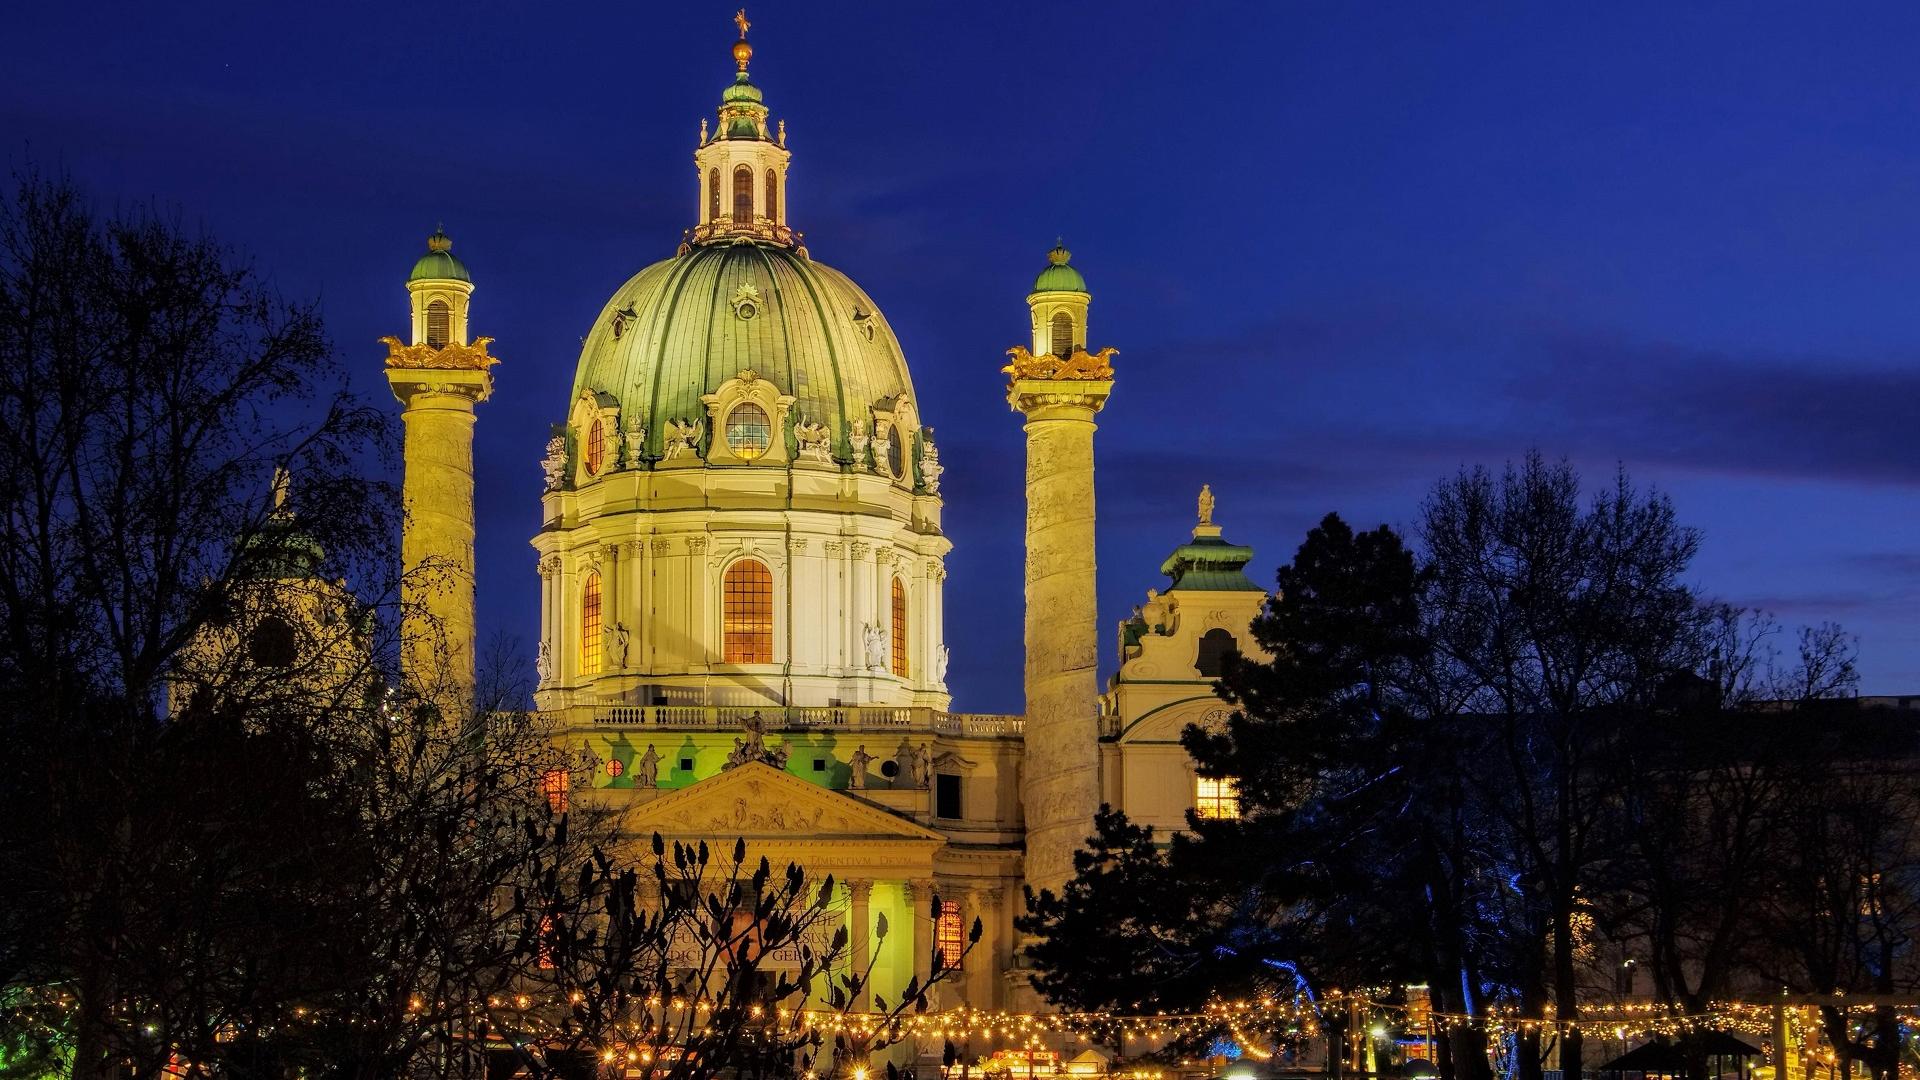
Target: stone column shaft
{"points": [[436, 548], [862, 920], [1060, 778]]}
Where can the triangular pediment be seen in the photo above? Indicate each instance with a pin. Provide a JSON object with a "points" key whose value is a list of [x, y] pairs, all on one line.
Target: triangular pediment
{"points": [[757, 801]]}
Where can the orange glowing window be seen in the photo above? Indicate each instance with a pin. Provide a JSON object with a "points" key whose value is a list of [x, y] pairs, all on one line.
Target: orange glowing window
{"points": [[590, 626], [950, 936], [596, 447], [1216, 799], [743, 195], [899, 628], [556, 785], [747, 615]]}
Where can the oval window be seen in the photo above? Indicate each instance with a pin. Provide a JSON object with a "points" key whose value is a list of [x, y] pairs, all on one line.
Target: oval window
{"points": [[749, 432], [896, 454]]}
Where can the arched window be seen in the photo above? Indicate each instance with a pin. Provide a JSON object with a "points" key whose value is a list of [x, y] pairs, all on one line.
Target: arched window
{"points": [[596, 446], [713, 195], [773, 196], [899, 628], [743, 195], [1062, 334], [590, 626], [746, 619], [439, 324], [273, 643], [1215, 644]]}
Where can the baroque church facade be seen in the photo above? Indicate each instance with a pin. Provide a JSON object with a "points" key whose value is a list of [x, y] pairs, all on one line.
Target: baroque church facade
{"points": [[742, 572]]}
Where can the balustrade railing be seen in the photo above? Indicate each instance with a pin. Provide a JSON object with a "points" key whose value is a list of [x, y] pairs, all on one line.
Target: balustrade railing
{"points": [[806, 718]]}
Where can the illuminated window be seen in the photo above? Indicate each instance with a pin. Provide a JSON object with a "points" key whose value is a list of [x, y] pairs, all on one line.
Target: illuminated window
{"points": [[596, 447], [743, 196], [713, 194], [773, 195], [1215, 644], [273, 643], [749, 432], [1216, 799], [1062, 334], [439, 324], [555, 784], [546, 941], [615, 766], [950, 936], [590, 626], [896, 450], [747, 616], [899, 628]]}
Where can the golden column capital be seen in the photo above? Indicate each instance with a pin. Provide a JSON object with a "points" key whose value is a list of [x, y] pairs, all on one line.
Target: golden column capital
{"points": [[1048, 387]]}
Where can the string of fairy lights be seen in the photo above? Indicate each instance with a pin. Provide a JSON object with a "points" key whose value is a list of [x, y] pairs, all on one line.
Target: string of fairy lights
{"points": [[1256, 1026]]}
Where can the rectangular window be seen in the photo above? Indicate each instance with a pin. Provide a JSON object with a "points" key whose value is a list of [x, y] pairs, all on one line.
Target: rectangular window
{"points": [[950, 936], [1216, 799], [946, 796], [556, 785]]}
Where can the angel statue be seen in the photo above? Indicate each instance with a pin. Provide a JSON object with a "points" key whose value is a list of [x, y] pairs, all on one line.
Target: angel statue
{"points": [[682, 437], [875, 637], [811, 435], [555, 463], [930, 467], [1206, 504]]}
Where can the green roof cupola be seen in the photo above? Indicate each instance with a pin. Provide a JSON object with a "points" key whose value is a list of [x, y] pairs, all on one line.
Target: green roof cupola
{"points": [[1059, 276], [439, 263], [1058, 304]]}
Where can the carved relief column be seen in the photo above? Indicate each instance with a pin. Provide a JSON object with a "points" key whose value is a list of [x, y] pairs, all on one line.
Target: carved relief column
{"points": [[860, 924], [1060, 783]]}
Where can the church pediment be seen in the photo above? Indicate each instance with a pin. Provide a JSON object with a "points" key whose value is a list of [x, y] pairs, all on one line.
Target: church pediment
{"points": [[758, 802]]}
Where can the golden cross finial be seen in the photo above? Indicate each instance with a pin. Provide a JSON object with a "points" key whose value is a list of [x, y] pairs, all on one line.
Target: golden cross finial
{"points": [[740, 20]]}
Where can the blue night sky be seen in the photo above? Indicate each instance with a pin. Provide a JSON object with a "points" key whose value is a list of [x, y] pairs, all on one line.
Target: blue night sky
{"points": [[1343, 248]]}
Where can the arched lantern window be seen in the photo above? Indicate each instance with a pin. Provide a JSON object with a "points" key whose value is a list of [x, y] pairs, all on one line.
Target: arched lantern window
{"points": [[773, 195], [439, 324], [713, 194], [1062, 344], [743, 195]]}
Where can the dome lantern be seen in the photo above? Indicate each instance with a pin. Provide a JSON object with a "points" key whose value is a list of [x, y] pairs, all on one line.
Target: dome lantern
{"points": [[741, 167], [1058, 304]]}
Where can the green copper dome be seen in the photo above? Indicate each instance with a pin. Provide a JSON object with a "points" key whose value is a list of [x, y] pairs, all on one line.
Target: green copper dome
{"points": [[1059, 276], [439, 264], [681, 327]]}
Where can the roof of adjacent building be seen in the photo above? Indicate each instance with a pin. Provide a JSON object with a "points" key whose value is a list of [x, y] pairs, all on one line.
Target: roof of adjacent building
{"points": [[1209, 564]]}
